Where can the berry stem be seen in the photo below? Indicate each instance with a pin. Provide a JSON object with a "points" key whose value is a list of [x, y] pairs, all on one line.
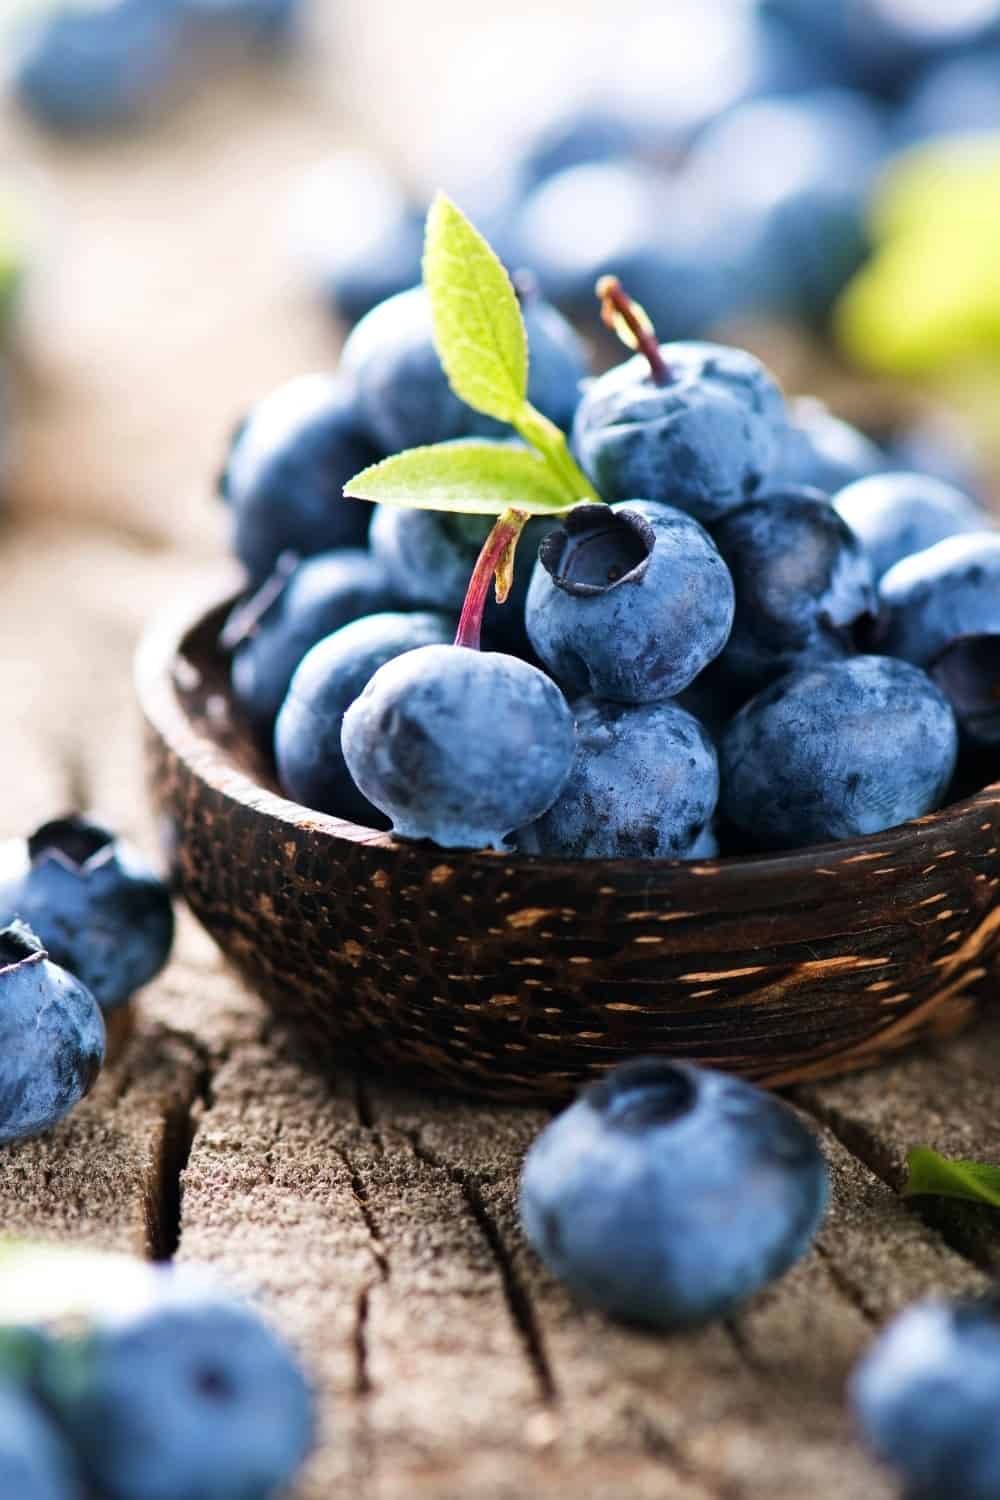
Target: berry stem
{"points": [[496, 560], [632, 324]]}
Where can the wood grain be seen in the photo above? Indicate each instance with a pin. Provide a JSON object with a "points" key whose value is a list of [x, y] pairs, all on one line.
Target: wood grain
{"points": [[378, 1225]]}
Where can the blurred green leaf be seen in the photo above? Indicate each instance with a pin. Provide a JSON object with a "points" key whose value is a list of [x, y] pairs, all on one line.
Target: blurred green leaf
{"points": [[946, 1177], [469, 475]]}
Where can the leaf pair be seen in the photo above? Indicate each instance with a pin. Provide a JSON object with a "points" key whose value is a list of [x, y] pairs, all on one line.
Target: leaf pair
{"points": [[480, 337]]}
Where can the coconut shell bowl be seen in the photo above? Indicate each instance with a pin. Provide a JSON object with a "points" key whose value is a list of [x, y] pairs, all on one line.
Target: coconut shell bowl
{"points": [[518, 978]]}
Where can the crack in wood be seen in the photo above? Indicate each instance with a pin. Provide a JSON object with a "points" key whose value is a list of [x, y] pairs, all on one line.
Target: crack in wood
{"points": [[516, 1294], [164, 1206]]}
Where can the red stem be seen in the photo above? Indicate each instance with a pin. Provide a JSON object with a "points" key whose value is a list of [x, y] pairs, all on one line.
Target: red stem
{"points": [[617, 309], [495, 560]]}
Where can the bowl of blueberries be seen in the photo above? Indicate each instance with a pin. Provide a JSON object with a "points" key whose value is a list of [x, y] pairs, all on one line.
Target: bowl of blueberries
{"points": [[711, 773]]}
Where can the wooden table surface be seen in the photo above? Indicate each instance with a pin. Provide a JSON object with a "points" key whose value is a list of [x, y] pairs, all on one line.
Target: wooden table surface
{"points": [[378, 1225]]}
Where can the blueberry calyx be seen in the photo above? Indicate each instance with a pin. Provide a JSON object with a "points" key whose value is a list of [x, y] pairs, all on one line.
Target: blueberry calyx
{"points": [[19, 945], [596, 549], [244, 620], [633, 325], [967, 671], [648, 1091], [74, 841]]}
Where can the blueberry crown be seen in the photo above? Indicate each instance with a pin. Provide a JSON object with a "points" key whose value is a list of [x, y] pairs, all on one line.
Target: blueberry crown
{"points": [[596, 549], [649, 1091], [18, 945], [74, 841]]}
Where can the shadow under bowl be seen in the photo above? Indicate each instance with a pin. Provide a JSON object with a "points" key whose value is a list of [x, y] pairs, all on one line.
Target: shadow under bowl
{"points": [[518, 978]]}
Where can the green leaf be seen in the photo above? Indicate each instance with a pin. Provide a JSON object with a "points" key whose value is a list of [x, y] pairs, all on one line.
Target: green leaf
{"points": [[471, 475], [478, 328], [945, 1177]]}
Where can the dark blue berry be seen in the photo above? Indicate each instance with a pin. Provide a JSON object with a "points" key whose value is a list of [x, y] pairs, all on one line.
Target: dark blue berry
{"points": [[98, 908], [272, 631], [267, 22], [704, 441], [286, 471], [803, 582], [644, 785], [835, 751], [823, 452], [927, 1398], [404, 399], [667, 1195], [459, 746], [960, 94], [35, 1463], [336, 671], [895, 515], [628, 602], [942, 610], [51, 1037]]}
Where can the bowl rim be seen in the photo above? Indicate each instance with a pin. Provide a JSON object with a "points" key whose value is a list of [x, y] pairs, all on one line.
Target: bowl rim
{"points": [[160, 647]]}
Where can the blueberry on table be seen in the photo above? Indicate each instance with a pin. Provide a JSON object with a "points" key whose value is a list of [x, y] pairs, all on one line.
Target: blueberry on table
{"points": [[644, 785], [459, 746], [286, 471], [310, 762], [894, 515], [297, 606], [835, 751], [95, 904], [823, 452], [87, 68], [803, 582], [35, 1462], [692, 425], [667, 1194], [942, 611], [404, 398], [628, 602], [51, 1037], [927, 1398]]}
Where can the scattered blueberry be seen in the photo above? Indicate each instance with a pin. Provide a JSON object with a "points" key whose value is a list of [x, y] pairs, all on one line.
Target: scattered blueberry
{"points": [[927, 1398], [51, 1037], [644, 785], [93, 901], [942, 611], [895, 515], [459, 746], [92, 67], [404, 399], [807, 760], [286, 471], [803, 582], [191, 1399], [272, 631], [307, 749], [581, 132], [822, 451], [35, 1463], [704, 440], [262, 21], [667, 1194], [628, 602], [960, 94]]}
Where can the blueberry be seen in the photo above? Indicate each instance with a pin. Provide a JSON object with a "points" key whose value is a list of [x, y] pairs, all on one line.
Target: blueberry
{"points": [[895, 515], [286, 471], [51, 1037], [802, 582], [94, 902], [93, 67], [806, 760], [35, 1464], [942, 611], [624, 215], [580, 132], [269, 22], [191, 1399], [336, 671], [356, 233], [960, 94], [628, 602], [644, 786], [927, 1398], [429, 556], [822, 451], [273, 630], [667, 1194], [404, 399], [705, 440], [459, 746], [935, 445]]}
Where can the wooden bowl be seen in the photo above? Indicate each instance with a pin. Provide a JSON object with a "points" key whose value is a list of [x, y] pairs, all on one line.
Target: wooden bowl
{"points": [[516, 977]]}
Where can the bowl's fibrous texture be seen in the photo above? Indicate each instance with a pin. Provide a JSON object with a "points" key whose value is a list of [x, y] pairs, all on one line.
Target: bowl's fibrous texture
{"points": [[519, 978]]}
